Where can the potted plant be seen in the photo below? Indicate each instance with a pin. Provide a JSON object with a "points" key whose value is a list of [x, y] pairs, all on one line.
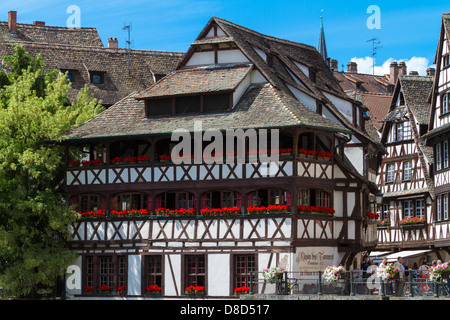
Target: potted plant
{"points": [[153, 290], [389, 273], [105, 289], [439, 272], [117, 160], [195, 290], [88, 290], [121, 290], [242, 290], [273, 275], [333, 274]]}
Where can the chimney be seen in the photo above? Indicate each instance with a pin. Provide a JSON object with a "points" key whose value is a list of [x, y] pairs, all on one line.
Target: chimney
{"points": [[12, 22], [39, 23], [394, 72], [402, 68], [352, 67], [113, 43], [334, 65], [431, 72]]}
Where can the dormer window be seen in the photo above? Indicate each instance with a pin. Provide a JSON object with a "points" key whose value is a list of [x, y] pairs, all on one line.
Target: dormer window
{"points": [[97, 77], [312, 75], [204, 103]]}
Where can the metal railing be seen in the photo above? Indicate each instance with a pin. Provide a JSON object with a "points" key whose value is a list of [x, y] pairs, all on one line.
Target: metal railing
{"points": [[354, 283]]}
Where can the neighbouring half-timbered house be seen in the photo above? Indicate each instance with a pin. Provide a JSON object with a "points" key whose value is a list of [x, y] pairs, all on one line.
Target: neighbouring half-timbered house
{"points": [[438, 138], [404, 174], [148, 220]]}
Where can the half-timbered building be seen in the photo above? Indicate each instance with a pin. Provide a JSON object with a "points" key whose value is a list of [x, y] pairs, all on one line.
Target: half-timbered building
{"points": [[149, 220], [404, 173], [438, 138]]}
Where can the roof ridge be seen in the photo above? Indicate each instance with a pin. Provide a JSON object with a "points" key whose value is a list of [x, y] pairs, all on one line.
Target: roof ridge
{"points": [[299, 44], [47, 26]]}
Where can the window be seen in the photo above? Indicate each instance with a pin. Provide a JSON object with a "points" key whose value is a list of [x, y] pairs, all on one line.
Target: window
{"points": [[176, 200], [390, 173], [438, 208], [420, 208], [444, 103], [243, 266], [445, 154], [438, 156], [216, 102], [407, 209], [445, 206], [88, 202], [153, 271], [159, 107], [128, 201], [445, 61], [97, 77], [403, 131], [266, 197], [314, 197], [221, 199], [105, 270], [195, 270], [407, 170], [189, 104]]}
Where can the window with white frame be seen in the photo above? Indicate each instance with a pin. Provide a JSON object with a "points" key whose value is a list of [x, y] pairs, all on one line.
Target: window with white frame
{"points": [[438, 208], [407, 170], [444, 103], [445, 206], [403, 131], [445, 154], [420, 208], [390, 173], [407, 208], [438, 156]]}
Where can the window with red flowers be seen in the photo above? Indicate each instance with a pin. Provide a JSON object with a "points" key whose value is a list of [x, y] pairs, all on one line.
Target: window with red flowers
{"points": [[153, 271], [105, 270], [314, 197], [267, 197], [128, 201], [88, 202], [194, 270], [243, 265], [221, 199]]}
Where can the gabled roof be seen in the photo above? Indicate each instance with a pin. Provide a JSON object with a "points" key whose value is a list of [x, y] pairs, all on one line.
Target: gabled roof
{"points": [[262, 106]]}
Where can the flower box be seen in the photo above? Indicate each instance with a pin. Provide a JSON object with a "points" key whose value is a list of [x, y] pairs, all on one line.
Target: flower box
{"points": [[268, 209], [153, 290], [195, 291], [104, 289], [389, 273], [241, 290], [316, 211], [439, 272], [273, 275], [333, 274]]}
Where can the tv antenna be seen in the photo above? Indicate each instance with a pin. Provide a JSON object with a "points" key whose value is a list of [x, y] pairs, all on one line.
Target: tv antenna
{"points": [[374, 52], [128, 42]]}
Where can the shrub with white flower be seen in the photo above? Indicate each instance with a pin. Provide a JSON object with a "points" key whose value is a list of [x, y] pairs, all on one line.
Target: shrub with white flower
{"points": [[388, 273], [272, 274], [332, 273], [437, 272]]}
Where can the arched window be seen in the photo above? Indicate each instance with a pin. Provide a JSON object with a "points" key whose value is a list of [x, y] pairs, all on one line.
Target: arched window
{"points": [[129, 201], [267, 197], [314, 197], [88, 202], [221, 199], [176, 200]]}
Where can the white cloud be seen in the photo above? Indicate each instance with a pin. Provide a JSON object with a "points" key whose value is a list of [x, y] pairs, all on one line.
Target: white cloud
{"points": [[418, 64]]}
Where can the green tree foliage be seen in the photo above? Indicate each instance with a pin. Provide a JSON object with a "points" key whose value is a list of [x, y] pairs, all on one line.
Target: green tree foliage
{"points": [[34, 220]]}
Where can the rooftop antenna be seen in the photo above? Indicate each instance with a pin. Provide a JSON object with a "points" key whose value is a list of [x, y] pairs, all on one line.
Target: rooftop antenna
{"points": [[128, 41], [374, 52]]}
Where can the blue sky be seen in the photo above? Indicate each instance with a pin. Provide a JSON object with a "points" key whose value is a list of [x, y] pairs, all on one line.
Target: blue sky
{"points": [[408, 31]]}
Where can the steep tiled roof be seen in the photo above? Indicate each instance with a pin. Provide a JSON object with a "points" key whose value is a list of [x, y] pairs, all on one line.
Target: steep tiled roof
{"points": [[262, 106], [360, 82], [378, 105], [196, 80], [52, 35], [80, 51], [415, 91], [118, 83]]}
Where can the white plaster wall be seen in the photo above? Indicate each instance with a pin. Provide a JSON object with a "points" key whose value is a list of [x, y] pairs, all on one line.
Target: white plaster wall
{"points": [[231, 56], [356, 157], [134, 274], [175, 260], [240, 90], [201, 58], [344, 107], [218, 274], [307, 100]]}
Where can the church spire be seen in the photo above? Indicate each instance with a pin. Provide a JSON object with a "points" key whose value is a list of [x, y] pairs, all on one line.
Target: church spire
{"points": [[322, 45]]}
